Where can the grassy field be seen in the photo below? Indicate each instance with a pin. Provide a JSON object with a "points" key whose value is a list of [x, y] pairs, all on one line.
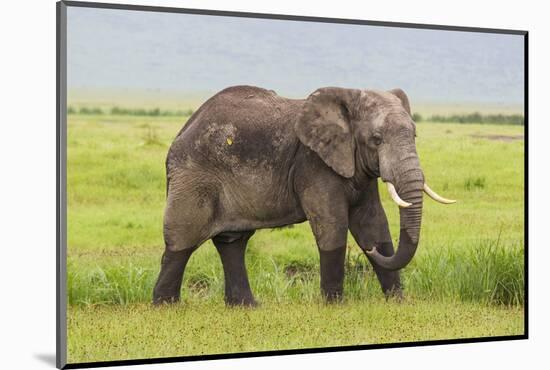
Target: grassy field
{"points": [[466, 280], [137, 331]]}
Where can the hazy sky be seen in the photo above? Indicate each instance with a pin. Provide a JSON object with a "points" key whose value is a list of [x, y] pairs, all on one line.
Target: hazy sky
{"points": [[198, 53]]}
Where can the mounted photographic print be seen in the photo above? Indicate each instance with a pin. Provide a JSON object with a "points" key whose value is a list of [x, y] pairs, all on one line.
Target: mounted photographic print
{"points": [[236, 184]]}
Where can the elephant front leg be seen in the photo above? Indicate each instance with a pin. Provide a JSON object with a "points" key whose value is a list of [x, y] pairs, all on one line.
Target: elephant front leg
{"points": [[390, 281], [326, 208], [332, 273], [369, 235], [231, 247], [331, 240], [369, 227]]}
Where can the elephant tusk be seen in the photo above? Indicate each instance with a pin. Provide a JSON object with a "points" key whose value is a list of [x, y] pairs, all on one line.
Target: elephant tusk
{"points": [[437, 197], [395, 197]]}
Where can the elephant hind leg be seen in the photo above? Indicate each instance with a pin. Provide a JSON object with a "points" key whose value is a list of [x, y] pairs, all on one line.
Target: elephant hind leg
{"points": [[190, 215], [168, 286], [188, 222], [231, 246]]}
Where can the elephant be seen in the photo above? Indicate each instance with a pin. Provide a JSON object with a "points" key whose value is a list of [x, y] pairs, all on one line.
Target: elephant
{"points": [[250, 159]]}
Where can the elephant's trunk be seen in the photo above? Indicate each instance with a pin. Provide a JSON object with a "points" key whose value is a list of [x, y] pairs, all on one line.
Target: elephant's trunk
{"points": [[410, 189]]}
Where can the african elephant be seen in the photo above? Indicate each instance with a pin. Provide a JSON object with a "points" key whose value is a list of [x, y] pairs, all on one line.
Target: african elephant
{"points": [[249, 159]]}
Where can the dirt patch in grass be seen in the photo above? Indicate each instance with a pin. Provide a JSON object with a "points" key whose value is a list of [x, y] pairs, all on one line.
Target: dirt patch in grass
{"points": [[504, 138], [297, 270]]}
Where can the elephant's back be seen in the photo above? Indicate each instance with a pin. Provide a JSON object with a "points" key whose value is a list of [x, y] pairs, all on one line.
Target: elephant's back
{"points": [[239, 127], [234, 160]]}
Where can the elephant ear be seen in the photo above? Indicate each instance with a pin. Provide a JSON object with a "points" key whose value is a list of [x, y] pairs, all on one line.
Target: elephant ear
{"points": [[404, 99], [324, 126]]}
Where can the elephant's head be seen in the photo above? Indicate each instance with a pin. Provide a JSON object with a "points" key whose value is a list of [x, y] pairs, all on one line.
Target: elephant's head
{"points": [[366, 133]]}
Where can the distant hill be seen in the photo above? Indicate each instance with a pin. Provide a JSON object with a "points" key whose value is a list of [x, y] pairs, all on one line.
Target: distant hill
{"points": [[195, 54]]}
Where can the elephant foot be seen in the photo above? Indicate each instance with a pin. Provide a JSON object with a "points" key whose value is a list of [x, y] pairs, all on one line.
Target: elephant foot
{"points": [[249, 302], [395, 294], [159, 301], [333, 296]]}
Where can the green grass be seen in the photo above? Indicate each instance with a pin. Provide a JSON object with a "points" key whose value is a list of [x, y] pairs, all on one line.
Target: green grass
{"points": [[486, 273], [198, 327], [466, 280]]}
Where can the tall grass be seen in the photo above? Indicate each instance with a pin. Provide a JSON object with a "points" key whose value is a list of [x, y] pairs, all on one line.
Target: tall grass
{"points": [[110, 285], [486, 272]]}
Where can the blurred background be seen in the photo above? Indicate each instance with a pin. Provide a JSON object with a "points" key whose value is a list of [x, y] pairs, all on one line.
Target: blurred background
{"points": [[163, 59]]}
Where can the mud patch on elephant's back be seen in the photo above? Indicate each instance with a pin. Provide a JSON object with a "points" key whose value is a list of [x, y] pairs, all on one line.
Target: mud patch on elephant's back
{"points": [[503, 138]]}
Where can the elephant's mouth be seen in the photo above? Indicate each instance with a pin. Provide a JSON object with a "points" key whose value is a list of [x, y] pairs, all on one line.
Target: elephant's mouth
{"points": [[372, 172]]}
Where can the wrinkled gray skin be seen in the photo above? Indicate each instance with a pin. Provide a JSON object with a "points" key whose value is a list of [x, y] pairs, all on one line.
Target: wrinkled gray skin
{"points": [[250, 159]]}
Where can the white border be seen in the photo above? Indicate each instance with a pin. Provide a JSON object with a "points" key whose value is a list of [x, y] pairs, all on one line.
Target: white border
{"points": [[27, 145]]}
